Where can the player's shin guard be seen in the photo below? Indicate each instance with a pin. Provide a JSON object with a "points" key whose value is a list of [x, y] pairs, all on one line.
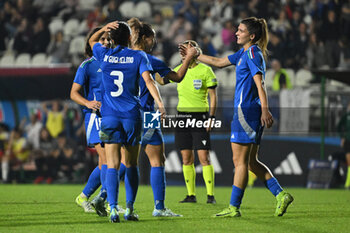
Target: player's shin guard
{"points": [[273, 185], [131, 185], [236, 196], [93, 182], [208, 176], [112, 184], [103, 193], [190, 179], [158, 186]]}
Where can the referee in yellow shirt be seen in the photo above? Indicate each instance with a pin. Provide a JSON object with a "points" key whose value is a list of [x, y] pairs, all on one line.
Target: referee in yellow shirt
{"points": [[193, 91]]}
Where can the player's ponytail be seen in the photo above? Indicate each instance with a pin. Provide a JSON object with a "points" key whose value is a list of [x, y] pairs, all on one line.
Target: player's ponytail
{"points": [[140, 31], [135, 25], [258, 27], [264, 40]]}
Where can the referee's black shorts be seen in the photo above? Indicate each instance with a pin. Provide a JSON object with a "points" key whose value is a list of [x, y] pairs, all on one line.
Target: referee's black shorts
{"points": [[189, 138]]}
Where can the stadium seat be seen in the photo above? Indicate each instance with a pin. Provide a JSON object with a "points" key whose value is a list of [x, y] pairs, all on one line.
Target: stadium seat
{"points": [[40, 60], [55, 26], [269, 78], [23, 60], [217, 41], [8, 60], [77, 45], [175, 60], [222, 77], [83, 27], [71, 27], [291, 75], [87, 5], [303, 78], [143, 10], [127, 9]]}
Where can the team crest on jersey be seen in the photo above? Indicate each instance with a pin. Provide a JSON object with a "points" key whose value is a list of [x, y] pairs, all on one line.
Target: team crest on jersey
{"points": [[197, 84], [239, 62]]}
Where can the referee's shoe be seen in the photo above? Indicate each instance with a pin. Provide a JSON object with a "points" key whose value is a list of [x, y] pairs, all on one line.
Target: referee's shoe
{"points": [[189, 199]]}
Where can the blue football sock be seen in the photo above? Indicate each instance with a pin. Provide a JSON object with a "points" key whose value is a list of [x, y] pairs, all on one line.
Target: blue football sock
{"points": [[158, 186], [122, 171], [273, 185], [93, 182], [112, 184], [103, 193], [236, 196], [131, 185]]}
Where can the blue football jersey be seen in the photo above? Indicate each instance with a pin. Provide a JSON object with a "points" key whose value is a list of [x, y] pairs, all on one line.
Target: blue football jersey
{"points": [[147, 101], [89, 76], [122, 68], [248, 63]]}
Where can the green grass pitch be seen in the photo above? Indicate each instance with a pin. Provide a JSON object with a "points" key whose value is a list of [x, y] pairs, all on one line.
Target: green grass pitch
{"points": [[51, 208]]}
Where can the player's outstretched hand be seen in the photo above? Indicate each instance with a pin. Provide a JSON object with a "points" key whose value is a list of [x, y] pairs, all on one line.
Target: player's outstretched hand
{"points": [[266, 118], [109, 26], [189, 50], [94, 105]]}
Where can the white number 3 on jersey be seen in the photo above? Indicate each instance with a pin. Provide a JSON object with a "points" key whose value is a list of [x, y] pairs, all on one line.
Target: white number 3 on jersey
{"points": [[118, 82]]}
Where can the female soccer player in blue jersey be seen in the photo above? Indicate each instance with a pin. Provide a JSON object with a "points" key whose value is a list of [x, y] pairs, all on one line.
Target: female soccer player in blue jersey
{"points": [[152, 139], [120, 110], [251, 114], [88, 78]]}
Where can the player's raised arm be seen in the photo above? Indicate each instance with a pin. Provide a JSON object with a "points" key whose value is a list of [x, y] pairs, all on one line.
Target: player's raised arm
{"points": [[190, 53], [213, 61], [96, 36], [153, 89]]}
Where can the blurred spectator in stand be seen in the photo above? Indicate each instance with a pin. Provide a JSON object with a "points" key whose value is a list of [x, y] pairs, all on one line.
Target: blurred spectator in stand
{"points": [[41, 37], [58, 48], [345, 13], [23, 37], [178, 30], [55, 117], [221, 11], [344, 53], [4, 137], [189, 9], [65, 156], [344, 132], [47, 8], [160, 24], [316, 53], [228, 35], [12, 19], [68, 9], [16, 153], [295, 22], [276, 48], [281, 79], [329, 35], [111, 11], [26, 10], [207, 47], [32, 131], [44, 160], [95, 17], [241, 15], [209, 25], [281, 25]]}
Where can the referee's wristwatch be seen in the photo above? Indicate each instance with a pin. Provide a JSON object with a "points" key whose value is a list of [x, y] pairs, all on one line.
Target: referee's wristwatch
{"points": [[212, 117]]}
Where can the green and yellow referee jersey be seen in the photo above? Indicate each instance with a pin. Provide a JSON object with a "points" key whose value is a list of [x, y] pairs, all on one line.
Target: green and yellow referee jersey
{"points": [[193, 89]]}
